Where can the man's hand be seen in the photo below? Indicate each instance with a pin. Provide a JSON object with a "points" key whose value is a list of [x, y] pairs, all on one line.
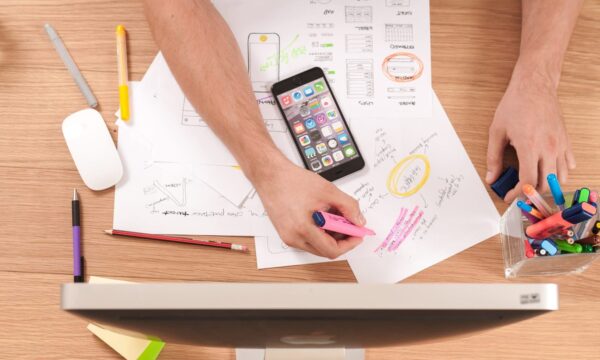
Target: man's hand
{"points": [[291, 194], [529, 118]]}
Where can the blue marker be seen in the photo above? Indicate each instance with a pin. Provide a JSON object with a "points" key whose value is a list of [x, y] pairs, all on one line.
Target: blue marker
{"points": [[546, 244], [529, 209], [557, 194]]}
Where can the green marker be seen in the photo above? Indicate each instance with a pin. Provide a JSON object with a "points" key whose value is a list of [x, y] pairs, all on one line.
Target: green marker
{"points": [[584, 195], [587, 248], [563, 245]]}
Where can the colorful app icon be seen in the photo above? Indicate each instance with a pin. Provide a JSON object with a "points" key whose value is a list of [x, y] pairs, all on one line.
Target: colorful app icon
{"points": [[315, 165], [326, 101], [327, 160], [310, 152], [286, 100], [314, 105], [338, 156], [299, 128], [308, 91], [343, 139], [326, 131], [304, 140], [321, 118], [337, 126], [310, 123], [331, 114], [332, 143], [349, 151], [315, 135], [297, 95], [321, 148], [319, 86], [304, 110]]}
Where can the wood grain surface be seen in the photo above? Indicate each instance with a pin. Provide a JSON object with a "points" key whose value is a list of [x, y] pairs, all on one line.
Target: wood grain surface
{"points": [[474, 46]]}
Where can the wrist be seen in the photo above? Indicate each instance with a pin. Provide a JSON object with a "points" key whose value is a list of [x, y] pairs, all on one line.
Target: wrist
{"points": [[529, 69], [261, 168]]}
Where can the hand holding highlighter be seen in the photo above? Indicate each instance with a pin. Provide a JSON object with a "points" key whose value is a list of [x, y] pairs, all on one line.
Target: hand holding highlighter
{"points": [[339, 224]]}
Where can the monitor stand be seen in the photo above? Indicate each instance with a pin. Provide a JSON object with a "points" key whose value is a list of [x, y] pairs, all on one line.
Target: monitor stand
{"points": [[300, 354]]}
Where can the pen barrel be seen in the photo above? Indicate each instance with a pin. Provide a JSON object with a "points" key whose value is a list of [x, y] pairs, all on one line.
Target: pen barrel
{"points": [[75, 215], [76, 251], [122, 58]]}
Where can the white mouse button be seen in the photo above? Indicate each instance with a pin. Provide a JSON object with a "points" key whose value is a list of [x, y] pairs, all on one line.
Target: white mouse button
{"points": [[92, 149]]}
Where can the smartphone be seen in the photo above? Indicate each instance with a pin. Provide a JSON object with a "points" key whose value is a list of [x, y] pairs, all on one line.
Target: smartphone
{"points": [[263, 60], [317, 125]]}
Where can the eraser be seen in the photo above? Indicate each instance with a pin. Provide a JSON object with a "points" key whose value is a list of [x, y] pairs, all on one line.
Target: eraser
{"points": [[506, 182]]}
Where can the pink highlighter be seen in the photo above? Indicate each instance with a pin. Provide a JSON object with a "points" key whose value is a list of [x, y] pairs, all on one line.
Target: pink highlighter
{"points": [[339, 224]]}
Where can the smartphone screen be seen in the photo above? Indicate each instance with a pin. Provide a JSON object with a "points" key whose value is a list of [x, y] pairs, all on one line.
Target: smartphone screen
{"points": [[318, 126]]}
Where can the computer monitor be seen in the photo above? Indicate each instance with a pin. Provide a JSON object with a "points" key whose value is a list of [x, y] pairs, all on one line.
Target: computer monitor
{"points": [[302, 315]]}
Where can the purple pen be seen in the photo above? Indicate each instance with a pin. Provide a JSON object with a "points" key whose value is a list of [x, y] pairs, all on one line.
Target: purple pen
{"points": [[77, 258]]}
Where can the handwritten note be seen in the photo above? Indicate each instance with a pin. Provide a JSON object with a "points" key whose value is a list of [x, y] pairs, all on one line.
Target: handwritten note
{"points": [[422, 196]]}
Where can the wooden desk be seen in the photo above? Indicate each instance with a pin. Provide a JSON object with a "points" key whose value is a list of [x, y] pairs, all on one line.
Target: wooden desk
{"points": [[474, 46]]}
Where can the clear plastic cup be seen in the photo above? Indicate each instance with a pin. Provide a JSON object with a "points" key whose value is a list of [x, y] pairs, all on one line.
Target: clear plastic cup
{"points": [[512, 233]]}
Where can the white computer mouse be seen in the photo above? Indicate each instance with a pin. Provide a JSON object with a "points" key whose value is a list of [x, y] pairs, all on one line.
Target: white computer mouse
{"points": [[92, 149]]}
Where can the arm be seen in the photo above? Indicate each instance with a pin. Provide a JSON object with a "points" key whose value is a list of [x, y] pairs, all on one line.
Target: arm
{"points": [[529, 116], [206, 61]]}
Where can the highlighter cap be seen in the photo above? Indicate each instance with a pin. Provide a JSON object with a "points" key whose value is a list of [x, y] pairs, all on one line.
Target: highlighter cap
{"points": [[507, 181], [579, 213], [318, 218]]}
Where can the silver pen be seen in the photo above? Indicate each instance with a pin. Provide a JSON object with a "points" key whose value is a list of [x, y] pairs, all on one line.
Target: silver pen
{"points": [[71, 66]]}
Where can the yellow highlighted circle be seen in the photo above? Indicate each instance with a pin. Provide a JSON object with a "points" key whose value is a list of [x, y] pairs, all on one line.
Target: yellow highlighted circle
{"points": [[398, 171], [263, 38]]}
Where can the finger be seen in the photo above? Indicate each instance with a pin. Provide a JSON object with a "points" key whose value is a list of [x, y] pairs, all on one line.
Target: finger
{"points": [[348, 207], [348, 244], [570, 159], [495, 153], [528, 167], [547, 166], [512, 194], [562, 169], [323, 243]]}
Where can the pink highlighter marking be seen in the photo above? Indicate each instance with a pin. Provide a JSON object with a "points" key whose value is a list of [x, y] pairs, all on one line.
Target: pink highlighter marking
{"points": [[407, 231], [394, 230]]}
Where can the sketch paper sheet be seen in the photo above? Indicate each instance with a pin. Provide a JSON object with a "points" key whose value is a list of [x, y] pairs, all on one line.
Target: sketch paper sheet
{"points": [[178, 132], [167, 198], [376, 53], [422, 197]]}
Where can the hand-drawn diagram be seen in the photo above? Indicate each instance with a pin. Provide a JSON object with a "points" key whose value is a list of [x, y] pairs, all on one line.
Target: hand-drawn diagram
{"points": [[399, 32], [359, 78], [359, 14], [402, 67], [263, 60], [176, 192], [409, 175]]}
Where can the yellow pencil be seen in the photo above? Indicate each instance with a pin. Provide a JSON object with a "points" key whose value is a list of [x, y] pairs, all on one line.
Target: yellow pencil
{"points": [[122, 66]]}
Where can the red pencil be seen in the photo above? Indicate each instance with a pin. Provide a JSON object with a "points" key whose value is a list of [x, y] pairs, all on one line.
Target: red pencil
{"points": [[224, 245]]}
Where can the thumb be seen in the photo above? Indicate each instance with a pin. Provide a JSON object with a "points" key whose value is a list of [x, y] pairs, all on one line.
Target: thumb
{"points": [[495, 154], [348, 207]]}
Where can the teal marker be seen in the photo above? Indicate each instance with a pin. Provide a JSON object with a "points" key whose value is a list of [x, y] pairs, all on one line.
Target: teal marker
{"points": [[557, 194]]}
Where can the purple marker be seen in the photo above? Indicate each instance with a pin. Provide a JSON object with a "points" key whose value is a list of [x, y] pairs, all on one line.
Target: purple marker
{"points": [[77, 258]]}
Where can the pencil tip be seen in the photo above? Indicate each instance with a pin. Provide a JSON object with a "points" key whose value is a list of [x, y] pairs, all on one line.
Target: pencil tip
{"points": [[75, 197], [109, 232]]}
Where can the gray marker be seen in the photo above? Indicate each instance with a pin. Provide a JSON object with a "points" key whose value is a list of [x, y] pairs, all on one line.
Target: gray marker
{"points": [[71, 66]]}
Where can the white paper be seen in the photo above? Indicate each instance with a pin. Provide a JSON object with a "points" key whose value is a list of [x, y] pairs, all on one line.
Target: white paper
{"points": [[422, 197], [178, 132], [376, 53], [227, 180], [167, 198]]}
